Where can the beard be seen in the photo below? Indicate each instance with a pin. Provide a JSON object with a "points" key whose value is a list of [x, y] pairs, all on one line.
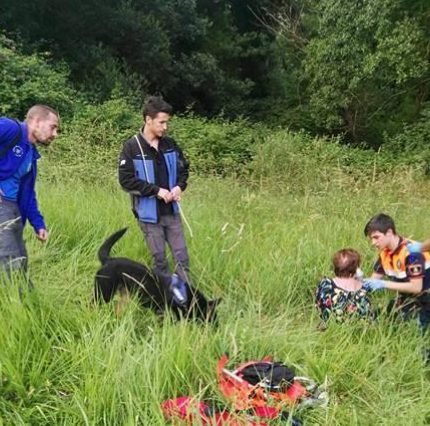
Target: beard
{"points": [[43, 141], [42, 137]]}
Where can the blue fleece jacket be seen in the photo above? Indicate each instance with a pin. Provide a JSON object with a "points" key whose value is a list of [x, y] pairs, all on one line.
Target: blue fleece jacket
{"points": [[9, 165]]}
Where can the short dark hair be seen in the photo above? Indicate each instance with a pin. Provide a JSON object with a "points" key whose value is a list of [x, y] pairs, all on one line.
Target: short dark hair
{"points": [[41, 111], [346, 262], [154, 105], [380, 222]]}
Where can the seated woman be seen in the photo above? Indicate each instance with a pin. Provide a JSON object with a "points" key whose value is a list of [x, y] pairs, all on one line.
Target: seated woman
{"points": [[343, 296]]}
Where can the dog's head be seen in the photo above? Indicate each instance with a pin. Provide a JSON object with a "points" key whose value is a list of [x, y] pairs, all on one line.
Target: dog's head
{"points": [[202, 309]]}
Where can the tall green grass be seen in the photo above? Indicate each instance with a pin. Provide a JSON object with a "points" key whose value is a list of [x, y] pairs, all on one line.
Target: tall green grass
{"points": [[261, 244], [262, 250]]}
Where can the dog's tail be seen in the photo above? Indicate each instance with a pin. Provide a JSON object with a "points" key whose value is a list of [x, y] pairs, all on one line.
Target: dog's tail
{"points": [[104, 251]]}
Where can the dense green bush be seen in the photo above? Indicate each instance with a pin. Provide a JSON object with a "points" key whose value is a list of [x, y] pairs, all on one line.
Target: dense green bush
{"points": [[105, 124], [29, 79], [91, 141], [413, 144], [217, 146]]}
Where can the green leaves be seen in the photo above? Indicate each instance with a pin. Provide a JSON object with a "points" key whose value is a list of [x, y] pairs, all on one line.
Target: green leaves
{"points": [[29, 79], [399, 56], [362, 65]]}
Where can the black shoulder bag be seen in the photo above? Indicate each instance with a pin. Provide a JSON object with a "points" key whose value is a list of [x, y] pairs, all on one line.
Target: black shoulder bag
{"points": [[14, 141]]}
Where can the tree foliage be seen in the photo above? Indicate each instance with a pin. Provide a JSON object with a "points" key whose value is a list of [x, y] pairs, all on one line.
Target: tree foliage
{"points": [[366, 57], [365, 65], [357, 69], [190, 51], [26, 80]]}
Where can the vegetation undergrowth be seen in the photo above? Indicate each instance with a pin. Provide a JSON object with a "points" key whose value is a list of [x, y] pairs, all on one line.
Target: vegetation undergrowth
{"points": [[262, 246], [268, 202]]}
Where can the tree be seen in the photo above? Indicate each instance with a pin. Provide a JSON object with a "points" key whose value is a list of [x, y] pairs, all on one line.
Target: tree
{"points": [[357, 68], [26, 80], [209, 54], [364, 67]]}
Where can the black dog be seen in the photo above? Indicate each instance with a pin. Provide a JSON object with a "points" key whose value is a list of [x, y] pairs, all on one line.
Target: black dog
{"points": [[155, 292]]}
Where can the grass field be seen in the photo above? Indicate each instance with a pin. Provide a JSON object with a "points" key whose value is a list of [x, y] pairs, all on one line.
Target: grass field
{"points": [[262, 248]]}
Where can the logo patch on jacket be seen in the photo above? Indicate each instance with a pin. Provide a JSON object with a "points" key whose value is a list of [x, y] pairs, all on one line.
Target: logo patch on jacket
{"points": [[415, 270], [18, 151]]}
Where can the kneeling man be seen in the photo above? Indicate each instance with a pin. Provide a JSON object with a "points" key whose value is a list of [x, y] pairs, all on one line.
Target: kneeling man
{"points": [[405, 271]]}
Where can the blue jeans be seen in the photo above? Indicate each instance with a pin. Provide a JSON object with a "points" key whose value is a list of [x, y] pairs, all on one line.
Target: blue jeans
{"points": [[167, 230]]}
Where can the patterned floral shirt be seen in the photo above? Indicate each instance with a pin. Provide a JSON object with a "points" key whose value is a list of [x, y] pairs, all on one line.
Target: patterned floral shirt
{"points": [[334, 301]]}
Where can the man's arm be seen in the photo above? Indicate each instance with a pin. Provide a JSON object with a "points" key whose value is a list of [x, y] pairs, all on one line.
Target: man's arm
{"points": [[413, 286], [415, 265], [377, 276], [35, 217], [183, 169], [426, 245], [127, 176], [418, 247], [183, 173]]}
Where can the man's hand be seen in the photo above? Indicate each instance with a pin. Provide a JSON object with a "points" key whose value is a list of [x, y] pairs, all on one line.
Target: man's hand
{"points": [[373, 284], [165, 195], [42, 235], [415, 247], [176, 193]]}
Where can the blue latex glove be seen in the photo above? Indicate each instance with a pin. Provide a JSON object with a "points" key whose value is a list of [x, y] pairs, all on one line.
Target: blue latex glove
{"points": [[373, 284], [415, 247]]}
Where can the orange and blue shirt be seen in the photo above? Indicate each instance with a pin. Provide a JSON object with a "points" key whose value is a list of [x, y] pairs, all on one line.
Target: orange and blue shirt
{"points": [[400, 265]]}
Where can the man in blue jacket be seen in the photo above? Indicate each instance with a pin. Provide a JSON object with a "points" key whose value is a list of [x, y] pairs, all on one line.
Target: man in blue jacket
{"points": [[18, 171], [152, 168]]}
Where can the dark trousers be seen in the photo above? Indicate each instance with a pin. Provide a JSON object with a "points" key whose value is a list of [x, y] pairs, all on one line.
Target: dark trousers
{"points": [[408, 307], [13, 254], [168, 230]]}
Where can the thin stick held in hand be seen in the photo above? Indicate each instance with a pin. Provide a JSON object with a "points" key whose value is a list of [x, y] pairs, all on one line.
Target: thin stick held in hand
{"points": [[181, 212]]}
